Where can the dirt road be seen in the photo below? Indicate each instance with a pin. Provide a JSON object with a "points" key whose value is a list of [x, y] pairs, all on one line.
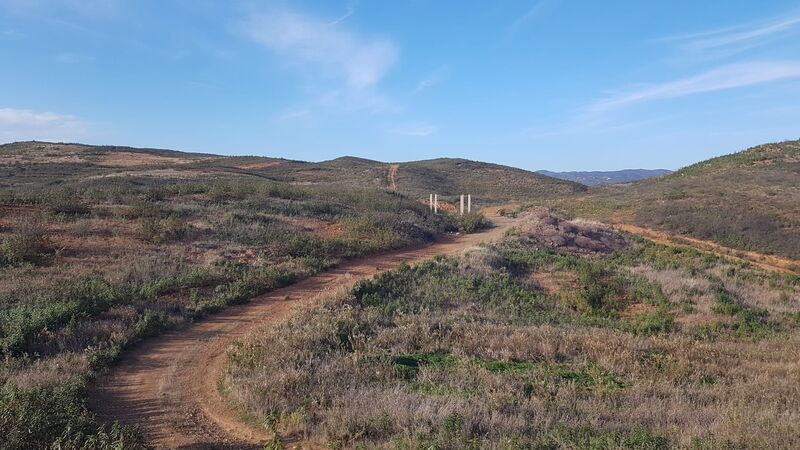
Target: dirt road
{"points": [[168, 386], [766, 262], [393, 176]]}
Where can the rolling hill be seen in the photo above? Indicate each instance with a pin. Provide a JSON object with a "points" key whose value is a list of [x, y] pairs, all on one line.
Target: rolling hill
{"points": [[488, 183], [748, 200], [449, 177], [598, 178]]}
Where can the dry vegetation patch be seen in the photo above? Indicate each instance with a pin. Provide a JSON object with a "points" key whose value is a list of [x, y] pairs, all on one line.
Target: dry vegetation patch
{"points": [[90, 264], [530, 345], [131, 159]]}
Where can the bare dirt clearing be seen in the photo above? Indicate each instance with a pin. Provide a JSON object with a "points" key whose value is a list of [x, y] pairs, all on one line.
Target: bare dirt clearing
{"points": [[169, 386]]}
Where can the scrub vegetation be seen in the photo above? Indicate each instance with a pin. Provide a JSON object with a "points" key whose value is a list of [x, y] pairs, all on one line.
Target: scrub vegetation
{"points": [[748, 200], [566, 334], [563, 335], [101, 247]]}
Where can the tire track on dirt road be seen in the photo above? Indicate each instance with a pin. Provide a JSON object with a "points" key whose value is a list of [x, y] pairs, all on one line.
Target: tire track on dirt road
{"points": [[169, 385]]}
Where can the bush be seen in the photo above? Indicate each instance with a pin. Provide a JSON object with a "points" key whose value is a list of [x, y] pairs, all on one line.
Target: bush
{"points": [[54, 417], [67, 204], [20, 325], [472, 222], [161, 231], [29, 245], [652, 323]]}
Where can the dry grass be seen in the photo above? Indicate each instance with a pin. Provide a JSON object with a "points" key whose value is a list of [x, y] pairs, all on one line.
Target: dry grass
{"points": [[96, 252], [749, 201], [452, 355]]}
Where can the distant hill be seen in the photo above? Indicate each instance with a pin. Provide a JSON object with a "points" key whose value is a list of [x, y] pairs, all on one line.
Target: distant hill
{"points": [[748, 200], [597, 178], [488, 183]]}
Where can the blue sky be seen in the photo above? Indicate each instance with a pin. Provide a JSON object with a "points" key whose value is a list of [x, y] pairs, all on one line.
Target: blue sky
{"points": [[555, 84]]}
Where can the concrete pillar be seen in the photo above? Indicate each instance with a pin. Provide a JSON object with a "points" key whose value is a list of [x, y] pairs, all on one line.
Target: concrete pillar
{"points": [[469, 202], [462, 204], [430, 202], [436, 203]]}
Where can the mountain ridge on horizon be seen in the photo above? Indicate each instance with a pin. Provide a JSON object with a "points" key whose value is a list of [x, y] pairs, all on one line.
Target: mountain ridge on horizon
{"points": [[602, 177]]}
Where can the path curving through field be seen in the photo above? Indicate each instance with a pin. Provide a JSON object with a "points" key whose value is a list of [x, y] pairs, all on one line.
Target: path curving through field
{"points": [[769, 263], [169, 385]]}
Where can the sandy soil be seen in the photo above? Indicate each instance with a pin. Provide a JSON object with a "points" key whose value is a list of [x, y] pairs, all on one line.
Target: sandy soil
{"points": [[169, 386]]}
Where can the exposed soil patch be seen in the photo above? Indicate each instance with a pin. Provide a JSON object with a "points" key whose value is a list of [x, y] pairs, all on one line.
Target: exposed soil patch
{"points": [[637, 309], [154, 173], [134, 159], [541, 228], [393, 176], [553, 283], [260, 165]]}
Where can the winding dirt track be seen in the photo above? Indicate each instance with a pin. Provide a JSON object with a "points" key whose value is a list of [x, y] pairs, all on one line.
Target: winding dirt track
{"points": [[169, 386], [769, 263], [393, 176]]}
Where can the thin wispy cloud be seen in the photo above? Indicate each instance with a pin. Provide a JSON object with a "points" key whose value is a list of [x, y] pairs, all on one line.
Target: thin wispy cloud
{"points": [[294, 114], [312, 43], [417, 130], [736, 39], [726, 77], [536, 10], [351, 9], [23, 124], [432, 79]]}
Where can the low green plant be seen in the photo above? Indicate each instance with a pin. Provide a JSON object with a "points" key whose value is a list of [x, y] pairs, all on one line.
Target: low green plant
{"points": [[28, 245], [471, 222], [161, 231]]}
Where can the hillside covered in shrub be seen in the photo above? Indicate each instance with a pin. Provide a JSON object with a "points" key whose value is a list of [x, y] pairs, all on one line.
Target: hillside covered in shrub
{"points": [[748, 200]]}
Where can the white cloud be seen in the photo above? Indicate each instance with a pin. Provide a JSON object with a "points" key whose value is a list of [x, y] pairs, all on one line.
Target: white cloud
{"points": [[418, 130], [351, 9], [736, 39], [22, 124], [315, 45], [725, 77]]}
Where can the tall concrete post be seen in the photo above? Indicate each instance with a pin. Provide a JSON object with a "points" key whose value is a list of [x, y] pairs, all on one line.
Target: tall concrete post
{"points": [[430, 202], [436, 203], [462, 204], [469, 202]]}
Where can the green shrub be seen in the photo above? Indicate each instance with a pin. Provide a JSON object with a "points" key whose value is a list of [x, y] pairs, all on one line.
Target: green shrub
{"points": [[161, 231], [68, 204], [54, 417], [29, 245], [151, 324], [471, 222], [21, 324], [652, 323]]}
